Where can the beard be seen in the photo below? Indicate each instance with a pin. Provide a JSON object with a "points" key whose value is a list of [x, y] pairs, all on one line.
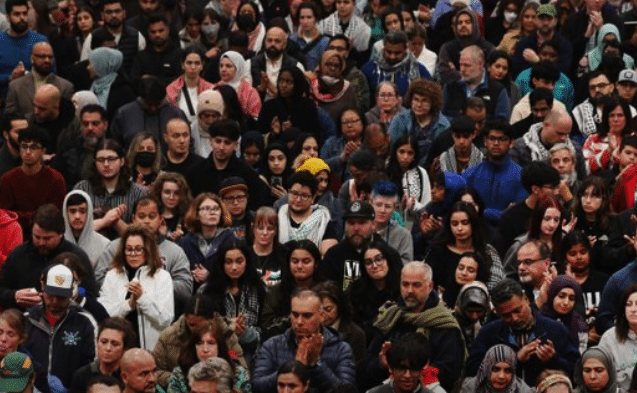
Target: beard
{"points": [[20, 27], [44, 71], [273, 53]]}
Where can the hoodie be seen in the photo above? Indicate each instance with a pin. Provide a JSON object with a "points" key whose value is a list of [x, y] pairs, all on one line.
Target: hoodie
{"points": [[595, 55], [89, 240], [10, 234]]}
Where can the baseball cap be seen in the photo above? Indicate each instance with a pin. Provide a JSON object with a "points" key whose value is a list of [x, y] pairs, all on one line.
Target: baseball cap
{"points": [[232, 183], [546, 9], [15, 372], [59, 281], [359, 209], [627, 76]]}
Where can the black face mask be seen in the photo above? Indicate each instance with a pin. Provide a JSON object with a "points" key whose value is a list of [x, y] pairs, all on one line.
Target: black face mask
{"points": [[246, 23], [145, 159]]}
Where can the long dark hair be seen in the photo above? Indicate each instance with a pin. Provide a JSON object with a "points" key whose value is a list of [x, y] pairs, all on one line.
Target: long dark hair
{"points": [[599, 190], [301, 86], [124, 179], [188, 352], [393, 167], [610, 104], [572, 239], [621, 326], [535, 223], [288, 283], [363, 285]]}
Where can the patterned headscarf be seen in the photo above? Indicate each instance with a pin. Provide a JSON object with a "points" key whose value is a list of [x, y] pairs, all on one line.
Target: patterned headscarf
{"points": [[496, 354]]}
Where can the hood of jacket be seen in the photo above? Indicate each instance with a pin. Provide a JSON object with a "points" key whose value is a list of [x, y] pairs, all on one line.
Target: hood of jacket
{"points": [[473, 293], [88, 226], [7, 217], [475, 37]]}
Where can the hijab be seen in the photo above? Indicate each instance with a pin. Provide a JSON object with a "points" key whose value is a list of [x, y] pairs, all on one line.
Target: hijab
{"points": [[573, 320], [599, 354], [106, 62], [497, 354], [84, 98], [239, 63]]}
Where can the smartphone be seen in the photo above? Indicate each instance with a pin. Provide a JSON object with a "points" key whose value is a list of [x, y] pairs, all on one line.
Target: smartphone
{"points": [[276, 181]]}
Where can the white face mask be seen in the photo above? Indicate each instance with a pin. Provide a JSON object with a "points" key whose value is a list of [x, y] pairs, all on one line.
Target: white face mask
{"points": [[329, 80], [510, 16]]}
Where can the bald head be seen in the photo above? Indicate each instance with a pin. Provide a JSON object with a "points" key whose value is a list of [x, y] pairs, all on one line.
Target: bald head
{"points": [[138, 371], [42, 58], [132, 357], [46, 103], [276, 40], [556, 127]]}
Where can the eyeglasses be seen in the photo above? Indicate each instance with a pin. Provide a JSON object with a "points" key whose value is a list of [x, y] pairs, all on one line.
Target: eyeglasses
{"points": [[598, 86], [495, 139], [378, 260], [235, 199], [32, 146], [350, 122], [387, 95], [104, 160], [209, 209], [134, 251], [528, 262], [403, 370], [303, 197]]}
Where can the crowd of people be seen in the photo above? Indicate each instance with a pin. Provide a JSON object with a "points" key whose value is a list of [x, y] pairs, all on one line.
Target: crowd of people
{"points": [[313, 196]]}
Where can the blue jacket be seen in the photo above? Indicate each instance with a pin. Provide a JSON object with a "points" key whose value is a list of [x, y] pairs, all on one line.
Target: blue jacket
{"points": [[498, 332], [336, 365], [375, 75], [191, 247], [531, 42], [14, 50], [612, 295], [498, 185], [403, 124]]}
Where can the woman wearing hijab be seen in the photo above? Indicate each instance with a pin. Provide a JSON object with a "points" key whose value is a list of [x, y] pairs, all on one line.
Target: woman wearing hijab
{"points": [[83, 98], [330, 89], [111, 88], [232, 71], [496, 374], [595, 373], [563, 294]]}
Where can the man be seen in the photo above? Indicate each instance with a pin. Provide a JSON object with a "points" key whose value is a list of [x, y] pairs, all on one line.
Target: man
{"points": [[540, 342], [21, 272], [61, 334], [148, 8], [541, 102], [467, 32], [162, 58], [376, 140], [626, 86], [31, 185], [265, 66], [346, 21], [301, 219], [343, 262], [16, 44], [539, 180], [129, 41], [76, 159], [497, 178], [11, 126], [531, 266], [418, 305], [527, 49], [475, 82], [223, 162], [234, 194], [406, 358], [355, 76], [360, 165], [316, 347], [588, 114], [78, 222], [104, 384], [464, 154], [172, 256], [396, 64], [18, 373], [22, 89], [211, 376], [138, 372], [384, 199], [179, 158], [54, 114], [150, 109], [543, 75]]}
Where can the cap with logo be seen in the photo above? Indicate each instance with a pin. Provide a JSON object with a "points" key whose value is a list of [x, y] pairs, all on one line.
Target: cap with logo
{"points": [[59, 281], [546, 9], [360, 209], [627, 76], [15, 372]]}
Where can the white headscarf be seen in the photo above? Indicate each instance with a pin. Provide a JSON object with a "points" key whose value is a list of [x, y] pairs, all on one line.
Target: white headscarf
{"points": [[239, 64]]}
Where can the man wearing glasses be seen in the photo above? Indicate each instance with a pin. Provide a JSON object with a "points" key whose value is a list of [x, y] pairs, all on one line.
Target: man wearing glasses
{"points": [[234, 194], [301, 219], [32, 184]]}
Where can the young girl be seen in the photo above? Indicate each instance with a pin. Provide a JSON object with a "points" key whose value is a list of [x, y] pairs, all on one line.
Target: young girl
{"points": [[275, 168], [172, 194], [563, 293]]}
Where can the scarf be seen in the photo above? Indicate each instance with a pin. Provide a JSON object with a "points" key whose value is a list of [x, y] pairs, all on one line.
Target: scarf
{"points": [[604, 358], [553, 380], [239, 64], [499, 353], [589, 117], [573, 320], [106, 62], [327, 97], [532, 141], [407, 66], [312, 228], [333, 26], [448, 162], [391, 314], [253, 36], [249, 305]]}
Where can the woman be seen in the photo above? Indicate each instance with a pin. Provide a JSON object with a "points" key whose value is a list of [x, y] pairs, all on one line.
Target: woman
{"points": [[462, 231], [592, 60], [502, 21], [472, 310], [13, 331], [184, 91], [292, 377], [524, 26], [601, 149], [252, 148], [232, 107], [410, 178], [266, 251], [423, 121], [210, 109], [391, 19], [275, 169], [248, 19], [206, 342], [232, 69], [388, 105], [595, 372], [594, 218], [620, 341], [471, 268], [499, 68], [471, 196], [330, 90], [85, 22], [82, 98], [207, 222], [300, 272], [144, 158], [563, 293], [309, 39], [378, 283], [138, 288], [416, 42], [112, 88], [172, 194], [190, 35], [213, 27], [349, 137], [306, 145], [346, 21], [562, 157], [337, 313], [291, 107], [496, 373]]}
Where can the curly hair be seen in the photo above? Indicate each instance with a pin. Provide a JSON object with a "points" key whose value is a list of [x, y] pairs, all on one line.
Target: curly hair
{"points": [[151, 253], [184, 191], [428, 89]]}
